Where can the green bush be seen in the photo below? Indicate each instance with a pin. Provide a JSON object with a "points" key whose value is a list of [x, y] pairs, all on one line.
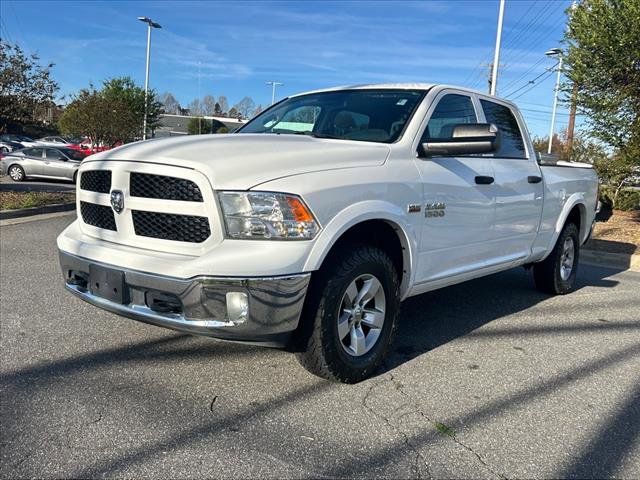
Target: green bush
{"points": [[628, 198]]}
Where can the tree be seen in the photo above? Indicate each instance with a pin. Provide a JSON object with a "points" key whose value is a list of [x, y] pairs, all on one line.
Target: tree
{"points": [[245, 107], [217, 110], [233, 113], [111, 115], [25, 86], [224, 104], [170, 104], [195, 107], [583, 150], [208, 105], [603, 61], [258, 110], [198, 125]]}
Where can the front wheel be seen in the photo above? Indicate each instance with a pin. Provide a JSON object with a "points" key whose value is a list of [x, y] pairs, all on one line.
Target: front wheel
{"points": [[16, 173], [557, 273], [350, 315]]}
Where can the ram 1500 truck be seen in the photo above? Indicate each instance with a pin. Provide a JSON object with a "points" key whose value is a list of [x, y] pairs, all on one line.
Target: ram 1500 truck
{"points": [[309, 226]]}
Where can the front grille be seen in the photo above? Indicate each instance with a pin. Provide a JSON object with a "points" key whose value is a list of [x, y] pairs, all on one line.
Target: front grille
{"points": [[96, 181], [98, 216], [148, 185], [168, 226]]}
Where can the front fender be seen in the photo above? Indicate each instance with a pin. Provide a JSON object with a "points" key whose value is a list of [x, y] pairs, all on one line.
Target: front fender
{"points": [[361, 212]]}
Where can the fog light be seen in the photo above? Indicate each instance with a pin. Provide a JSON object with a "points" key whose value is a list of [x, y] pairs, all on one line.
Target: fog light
{"points": [[237, 306]]}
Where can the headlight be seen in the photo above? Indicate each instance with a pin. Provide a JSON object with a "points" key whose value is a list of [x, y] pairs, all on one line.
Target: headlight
{"points": [[266, 215]]}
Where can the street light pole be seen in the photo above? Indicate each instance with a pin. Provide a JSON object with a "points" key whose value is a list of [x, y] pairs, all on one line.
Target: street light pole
{"points": [[496, 54], [273, 90], [554, 52], [150, 24]]}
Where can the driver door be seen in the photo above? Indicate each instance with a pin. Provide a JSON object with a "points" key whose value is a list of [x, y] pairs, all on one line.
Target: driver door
{"points": [[458, 198]]}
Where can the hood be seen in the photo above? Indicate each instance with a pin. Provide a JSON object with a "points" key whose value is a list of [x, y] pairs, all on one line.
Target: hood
{"points": [[242, 161]]}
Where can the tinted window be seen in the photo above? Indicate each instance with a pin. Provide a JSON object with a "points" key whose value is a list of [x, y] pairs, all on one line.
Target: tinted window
{"points": [[72, 154], [33, 152], [452, 109], [54, 155], [366, 115], [511, 143]]}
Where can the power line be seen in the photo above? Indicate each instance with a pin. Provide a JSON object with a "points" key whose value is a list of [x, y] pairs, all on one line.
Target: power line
{"points": [[549, 73], [529, 70], [529, 82]]}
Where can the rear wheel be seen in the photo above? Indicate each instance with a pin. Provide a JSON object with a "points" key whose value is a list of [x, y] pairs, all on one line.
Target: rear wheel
{"points": [[557, 273], [350, 315], [16, 173]]}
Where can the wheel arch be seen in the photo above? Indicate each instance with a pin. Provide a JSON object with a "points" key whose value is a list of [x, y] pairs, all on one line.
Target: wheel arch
{"points": [[378, 223]]}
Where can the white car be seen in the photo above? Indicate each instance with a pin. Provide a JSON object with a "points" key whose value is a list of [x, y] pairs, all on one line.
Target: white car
{"points": [[309, 226], [54, 141]]}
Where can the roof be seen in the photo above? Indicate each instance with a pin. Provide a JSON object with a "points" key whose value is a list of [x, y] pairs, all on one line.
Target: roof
{"points": [[391, 86]]}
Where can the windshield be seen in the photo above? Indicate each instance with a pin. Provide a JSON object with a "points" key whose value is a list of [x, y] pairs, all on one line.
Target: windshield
{"points": [[365, 115], [72, 154]]}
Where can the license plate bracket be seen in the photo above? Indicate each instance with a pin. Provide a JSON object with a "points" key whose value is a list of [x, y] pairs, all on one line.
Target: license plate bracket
{"points": [[108, 283]]}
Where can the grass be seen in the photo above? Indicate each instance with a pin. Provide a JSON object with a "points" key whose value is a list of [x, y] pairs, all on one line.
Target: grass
{"points": [[16, 200], [444, 429]]}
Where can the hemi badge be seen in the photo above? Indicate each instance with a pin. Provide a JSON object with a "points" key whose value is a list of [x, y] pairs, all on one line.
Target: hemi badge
{"points": [[413, 208]]}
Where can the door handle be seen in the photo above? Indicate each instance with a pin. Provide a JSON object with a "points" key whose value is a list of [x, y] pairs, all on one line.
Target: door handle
{"points": [[534, 179], [484, 180]]}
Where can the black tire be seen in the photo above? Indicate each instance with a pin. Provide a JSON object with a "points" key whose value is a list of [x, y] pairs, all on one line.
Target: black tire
{"points": [[548, 274], [18, 173], [319, 347]]}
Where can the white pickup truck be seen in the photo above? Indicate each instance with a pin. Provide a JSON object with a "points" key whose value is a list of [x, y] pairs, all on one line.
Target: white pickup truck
{"points": [[310, 225]]}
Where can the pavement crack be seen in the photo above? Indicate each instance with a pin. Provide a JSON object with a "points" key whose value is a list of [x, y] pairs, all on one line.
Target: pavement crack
{"points": [[419, 457], [453, 436]]}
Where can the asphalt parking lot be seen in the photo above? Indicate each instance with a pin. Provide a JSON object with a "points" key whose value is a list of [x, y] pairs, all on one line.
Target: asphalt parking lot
{"points": [[488, 379]]}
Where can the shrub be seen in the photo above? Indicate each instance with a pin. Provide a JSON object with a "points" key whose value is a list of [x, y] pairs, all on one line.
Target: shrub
{"points": [[628, 198]]}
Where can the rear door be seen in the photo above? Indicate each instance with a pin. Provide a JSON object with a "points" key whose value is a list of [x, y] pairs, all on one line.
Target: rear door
{"points": [[457, 206], [518, 183], [33, 161]]}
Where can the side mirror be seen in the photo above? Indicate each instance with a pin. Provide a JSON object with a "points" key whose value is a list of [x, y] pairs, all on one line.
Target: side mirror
{"points": [[466, 139]]}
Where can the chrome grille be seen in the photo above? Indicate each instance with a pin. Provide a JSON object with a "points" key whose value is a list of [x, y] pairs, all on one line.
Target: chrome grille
{"points": [[148, 185], [168, 226], [96, 181], [98, 215]]}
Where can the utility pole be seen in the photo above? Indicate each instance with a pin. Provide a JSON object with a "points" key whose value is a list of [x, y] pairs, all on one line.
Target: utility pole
{"points": [[496, 55], [273, 90], [150, 24], [554, 52], [572, 119]]}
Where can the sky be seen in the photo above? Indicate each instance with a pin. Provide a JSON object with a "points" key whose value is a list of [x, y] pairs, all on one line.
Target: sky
{"points": [[233, 48]]}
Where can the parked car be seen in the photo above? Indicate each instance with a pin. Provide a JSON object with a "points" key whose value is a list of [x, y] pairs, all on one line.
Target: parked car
{"points": [[42, 162], [310, 225], [8, 146], [54, 141], [21, 139]]}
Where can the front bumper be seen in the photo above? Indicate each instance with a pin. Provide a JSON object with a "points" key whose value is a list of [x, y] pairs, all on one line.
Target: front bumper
{"points": [[199, 305]]}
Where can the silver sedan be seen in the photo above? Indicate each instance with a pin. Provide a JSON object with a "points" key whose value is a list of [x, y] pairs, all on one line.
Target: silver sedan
{"points": [[41, 162]]}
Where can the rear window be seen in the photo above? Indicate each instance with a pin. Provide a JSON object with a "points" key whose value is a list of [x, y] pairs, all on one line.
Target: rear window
{"points": [[511, 142]]}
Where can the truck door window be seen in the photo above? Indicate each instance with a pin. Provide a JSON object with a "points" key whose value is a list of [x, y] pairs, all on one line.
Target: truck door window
{"points": [[452, 109], [511, 142]]}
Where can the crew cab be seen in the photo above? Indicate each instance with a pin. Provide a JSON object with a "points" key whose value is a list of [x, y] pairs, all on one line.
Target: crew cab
{"points": [[309, 226]]}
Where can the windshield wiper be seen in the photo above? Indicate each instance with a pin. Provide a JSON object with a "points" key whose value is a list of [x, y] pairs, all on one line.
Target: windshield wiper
{"points": [[318, 135]]}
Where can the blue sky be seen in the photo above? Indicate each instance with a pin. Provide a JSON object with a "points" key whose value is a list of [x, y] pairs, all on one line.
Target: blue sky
{"points": [[232, 48]]}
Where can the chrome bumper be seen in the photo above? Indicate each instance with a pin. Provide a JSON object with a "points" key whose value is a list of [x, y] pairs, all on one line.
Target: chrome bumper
{"points": [[199, 305]]}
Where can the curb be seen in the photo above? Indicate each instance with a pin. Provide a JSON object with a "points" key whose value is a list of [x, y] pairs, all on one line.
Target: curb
{"points": [[611, 260], [28, 212]]}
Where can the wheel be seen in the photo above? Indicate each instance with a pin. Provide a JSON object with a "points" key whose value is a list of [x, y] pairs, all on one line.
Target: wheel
{"points": [[557, 273], [16, 173], [350, 315]]}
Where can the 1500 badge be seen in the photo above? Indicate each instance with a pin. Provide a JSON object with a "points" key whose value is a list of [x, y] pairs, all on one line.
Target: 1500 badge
{"points": [[435, 209]]}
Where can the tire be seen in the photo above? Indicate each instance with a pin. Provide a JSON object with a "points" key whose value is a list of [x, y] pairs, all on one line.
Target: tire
{"points": [[557, 273], [353, 350], [16, 173]]}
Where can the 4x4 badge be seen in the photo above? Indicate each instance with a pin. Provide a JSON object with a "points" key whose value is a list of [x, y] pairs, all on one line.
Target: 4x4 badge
{"points": [[117, 201]]}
